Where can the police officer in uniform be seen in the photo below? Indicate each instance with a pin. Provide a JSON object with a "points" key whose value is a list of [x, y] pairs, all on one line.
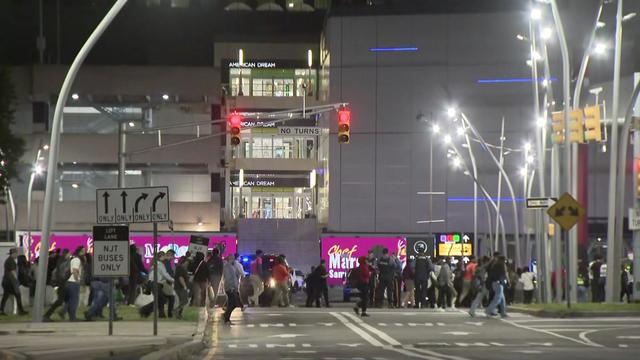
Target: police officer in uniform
{"points": [[423, 268]]}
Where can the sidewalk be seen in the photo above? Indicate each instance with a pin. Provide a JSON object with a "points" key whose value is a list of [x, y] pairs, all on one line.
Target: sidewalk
{"points": [[89, 340]]}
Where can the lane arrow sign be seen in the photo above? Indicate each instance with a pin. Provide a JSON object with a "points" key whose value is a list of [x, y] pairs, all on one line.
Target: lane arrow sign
{"points": [[124, 201], [143, 196], [106, 202], [155, 200]]}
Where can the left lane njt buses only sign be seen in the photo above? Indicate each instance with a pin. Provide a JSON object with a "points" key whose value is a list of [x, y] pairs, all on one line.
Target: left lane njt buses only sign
{"points": [[110, 251]]}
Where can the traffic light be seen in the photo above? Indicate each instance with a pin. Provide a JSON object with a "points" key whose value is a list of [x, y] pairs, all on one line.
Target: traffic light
{"points": [[592, 123], [344, 125], [235, 123], [576, 129], [557, 124]]}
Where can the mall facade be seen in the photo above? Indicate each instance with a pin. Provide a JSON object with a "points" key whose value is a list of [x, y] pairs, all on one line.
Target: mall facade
{"points": [[285, 184]]}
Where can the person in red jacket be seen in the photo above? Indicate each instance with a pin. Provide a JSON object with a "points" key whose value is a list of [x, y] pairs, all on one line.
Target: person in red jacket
{"points": [[280, 275], [364, 275]]}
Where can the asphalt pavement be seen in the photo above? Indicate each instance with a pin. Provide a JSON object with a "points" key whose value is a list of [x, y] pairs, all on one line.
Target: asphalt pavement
{"points": [[337, 333]]}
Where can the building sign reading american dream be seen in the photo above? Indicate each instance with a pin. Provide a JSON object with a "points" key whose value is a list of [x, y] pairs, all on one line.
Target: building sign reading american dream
{"points": [[342, 252]]}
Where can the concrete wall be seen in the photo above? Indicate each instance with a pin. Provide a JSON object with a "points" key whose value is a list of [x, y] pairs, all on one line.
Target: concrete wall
{"points": [[375, 178]]}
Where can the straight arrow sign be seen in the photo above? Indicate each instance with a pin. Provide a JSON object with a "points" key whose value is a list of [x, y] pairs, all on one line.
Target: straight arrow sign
{"points": [[124, 202], [106, 202]]}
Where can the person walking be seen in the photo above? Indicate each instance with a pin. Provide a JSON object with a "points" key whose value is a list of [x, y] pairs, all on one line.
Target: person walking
{"points": [[280, 276], [312, 286], [100, 289], [169, 261], [479, 284], [362, 278], [322, 282], [25, 276], [626, 284], [386, 271], [582, 282], [164, 280], [59, 276], [10, 284], [423, 271], [458, 284], [256, 278], [214, 265], [527, 279], [597, 287], [181, 285], [444, 281], [497, 278], [74, 282], [408, 277], [467, 280], [232, 274], [136, 272], [200, 280]]}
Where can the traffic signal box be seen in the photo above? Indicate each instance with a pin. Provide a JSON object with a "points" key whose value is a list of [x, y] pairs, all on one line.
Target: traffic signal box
{"points": [[584, 125], [344, 125], [592, 123], [557, 124], [235, 123]]}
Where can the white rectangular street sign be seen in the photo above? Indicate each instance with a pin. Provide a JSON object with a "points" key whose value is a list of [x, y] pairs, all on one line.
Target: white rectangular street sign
{"points": [[132, 205], [298, 130], [540, 203], [198, 244], [634, 219], [110, 251]]}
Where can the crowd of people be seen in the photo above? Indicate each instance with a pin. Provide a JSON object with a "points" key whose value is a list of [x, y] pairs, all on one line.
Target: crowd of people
{"points": [[198, 279]]}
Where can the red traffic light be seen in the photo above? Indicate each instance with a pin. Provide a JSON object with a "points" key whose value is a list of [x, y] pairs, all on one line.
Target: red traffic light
{"points": [[344, 116], [235, 120]]}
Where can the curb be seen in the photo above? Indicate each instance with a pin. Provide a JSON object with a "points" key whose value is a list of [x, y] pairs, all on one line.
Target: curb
{"points": [[185, 350], [574, 314], [11, 355]]}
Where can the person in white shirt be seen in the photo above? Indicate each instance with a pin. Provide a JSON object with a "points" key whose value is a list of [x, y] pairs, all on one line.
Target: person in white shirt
{"points": [[74, 282], [232, 273], [527, 278], [164, 280]]}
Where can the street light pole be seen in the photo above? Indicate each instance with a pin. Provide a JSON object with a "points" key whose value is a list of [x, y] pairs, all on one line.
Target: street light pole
{"points": [[34, 172], [501, 149], [509, 185], [52, 165], [614, 231]]}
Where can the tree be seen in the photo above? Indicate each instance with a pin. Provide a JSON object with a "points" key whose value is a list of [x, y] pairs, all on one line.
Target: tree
{"points": [[11, 146]]}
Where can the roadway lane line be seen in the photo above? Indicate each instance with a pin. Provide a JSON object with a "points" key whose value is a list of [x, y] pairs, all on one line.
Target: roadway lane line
{"points": [[368, 338], [550, 333], [611, 319], [393, 342], [371, 340]]}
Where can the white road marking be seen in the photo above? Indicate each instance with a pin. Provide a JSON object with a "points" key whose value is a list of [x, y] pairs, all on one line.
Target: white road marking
{"points": [[633, 337], [287, 336], [305, 351], [457, 333], [580, 326], [370, 339], [417, 353], [546, 332], [349, 345], [623, 345], [477, 323], [571, 320], [528, 351], [583, 337]]}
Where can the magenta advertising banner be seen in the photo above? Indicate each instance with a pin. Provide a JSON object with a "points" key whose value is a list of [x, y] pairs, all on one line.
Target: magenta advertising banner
{"points": [[341, 252], [179, 242]]}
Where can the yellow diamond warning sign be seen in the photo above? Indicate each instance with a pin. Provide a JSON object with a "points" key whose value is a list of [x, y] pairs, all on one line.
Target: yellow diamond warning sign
{"points": [[566, 211]]}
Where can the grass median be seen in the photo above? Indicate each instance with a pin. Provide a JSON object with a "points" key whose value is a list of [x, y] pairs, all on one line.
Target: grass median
{"points": [[585, 308], [128, 313]]}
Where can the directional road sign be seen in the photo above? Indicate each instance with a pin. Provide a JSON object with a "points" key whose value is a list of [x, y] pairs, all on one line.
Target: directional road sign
{"points": [[110, 251], [566, 211], [132, 205], [540, 202]]}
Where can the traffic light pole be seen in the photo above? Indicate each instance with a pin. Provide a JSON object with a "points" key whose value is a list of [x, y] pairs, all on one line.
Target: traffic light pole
{"points": [[566, 94], [614, 237]]}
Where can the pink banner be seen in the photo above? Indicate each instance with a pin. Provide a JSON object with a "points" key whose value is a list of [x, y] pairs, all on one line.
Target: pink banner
{"points": [[341, 252], [144, 241]]}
